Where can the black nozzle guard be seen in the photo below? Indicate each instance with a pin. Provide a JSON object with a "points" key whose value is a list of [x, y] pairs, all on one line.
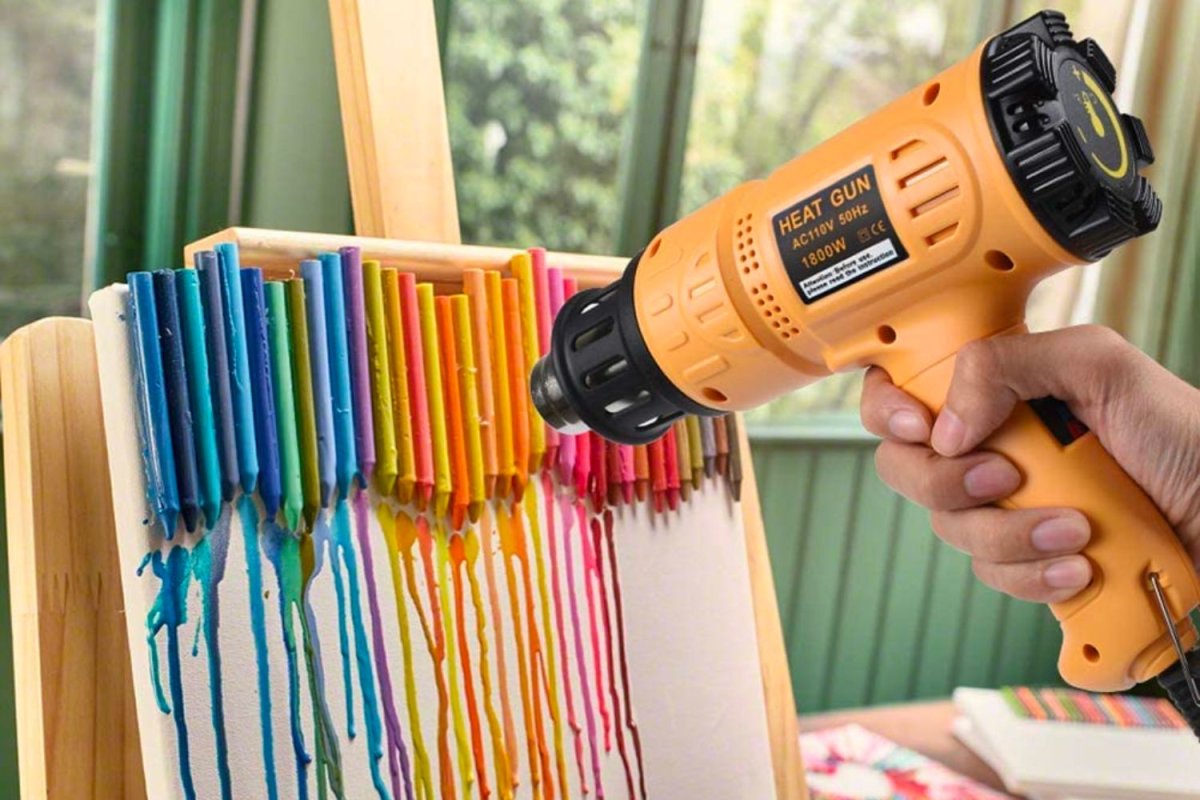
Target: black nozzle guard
{"points": [[599, 371]]}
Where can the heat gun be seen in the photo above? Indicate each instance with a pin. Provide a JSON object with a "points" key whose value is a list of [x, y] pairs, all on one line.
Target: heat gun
{"points": [[915, 231]]}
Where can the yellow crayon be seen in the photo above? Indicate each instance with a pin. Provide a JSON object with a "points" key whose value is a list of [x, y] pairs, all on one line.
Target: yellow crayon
{"points": [[386, 467], [522, 270], [437, 402]]}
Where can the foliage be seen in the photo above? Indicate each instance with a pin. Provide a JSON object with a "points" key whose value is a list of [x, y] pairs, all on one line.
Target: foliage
{"points": [[537, 97], [45, 89]]}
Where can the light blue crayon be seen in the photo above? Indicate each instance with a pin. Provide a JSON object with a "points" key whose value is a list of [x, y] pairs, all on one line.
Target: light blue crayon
{"points": [[239, 365], [318, 353], [339, 372], [204, 429], [158, 455]]}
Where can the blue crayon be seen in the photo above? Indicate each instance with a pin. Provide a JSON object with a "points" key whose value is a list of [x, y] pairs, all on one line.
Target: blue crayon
{"points": [[239, 365], [218, 371], [262, 389], [339, 372], [204, 429], [179, 411], [318, 353], [158, 456]]}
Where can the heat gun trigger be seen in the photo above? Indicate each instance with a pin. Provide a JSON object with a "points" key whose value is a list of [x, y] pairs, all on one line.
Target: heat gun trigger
{"points": [[1165, 611]]}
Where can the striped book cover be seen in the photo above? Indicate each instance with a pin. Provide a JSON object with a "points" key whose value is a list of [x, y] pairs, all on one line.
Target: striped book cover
{"points": [[1071, 705]]}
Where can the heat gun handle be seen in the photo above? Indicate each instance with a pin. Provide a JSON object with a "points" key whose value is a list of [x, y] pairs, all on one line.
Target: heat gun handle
{"points": [[1114, 633]]}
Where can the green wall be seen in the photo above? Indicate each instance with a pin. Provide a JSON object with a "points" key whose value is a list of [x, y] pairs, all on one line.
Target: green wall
{"points": [[875, 609]]}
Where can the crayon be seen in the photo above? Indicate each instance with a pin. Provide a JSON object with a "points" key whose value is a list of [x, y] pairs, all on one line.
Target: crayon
{"points": [[208, 457], [625, 463], [219, 375], [318, 359], [695, 450], [401, 411], [360, 361], [641, 471], [544, 318], [582, 473], [306, 409], [522, 270], [708, 445], [438, 436], [418, 395], [262, 391], [518, 386], [612, 466], [179, 414], [683, 454], [721, 439], [285, 405], [162, 492], [497, 338], [735, 455], [460, 309], [671, 462], [229, 273], [559, 292], [657, 458], [460, 491], [475, 286], [386, 465], [339, 374]]}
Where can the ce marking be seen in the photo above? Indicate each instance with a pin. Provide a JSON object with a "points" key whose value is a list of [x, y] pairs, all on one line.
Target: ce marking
{"points": [[877, 228]]}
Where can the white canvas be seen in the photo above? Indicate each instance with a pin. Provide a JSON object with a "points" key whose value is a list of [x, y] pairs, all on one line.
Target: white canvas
{"points": [[693, 667]]}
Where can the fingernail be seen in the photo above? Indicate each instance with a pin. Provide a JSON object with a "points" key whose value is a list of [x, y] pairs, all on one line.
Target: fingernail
{"points": [[909, 426], [1060, 534], [992, 479], [948, 433], [1068, 573]]}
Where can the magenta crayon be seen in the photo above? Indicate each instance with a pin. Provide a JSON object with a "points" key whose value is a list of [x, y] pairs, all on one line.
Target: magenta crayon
{"points": [[541, 298]]}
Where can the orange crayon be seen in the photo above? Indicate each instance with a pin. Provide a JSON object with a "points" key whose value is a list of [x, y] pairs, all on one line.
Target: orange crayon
{"points": [[475, 286], [460, 491]]}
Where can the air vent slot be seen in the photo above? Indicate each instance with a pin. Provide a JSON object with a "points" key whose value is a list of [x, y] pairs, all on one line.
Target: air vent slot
{"points": [[592, 334]]}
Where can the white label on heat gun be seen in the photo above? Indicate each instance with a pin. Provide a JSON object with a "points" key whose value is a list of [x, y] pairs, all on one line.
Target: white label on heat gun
{"points": [[849, 269]]}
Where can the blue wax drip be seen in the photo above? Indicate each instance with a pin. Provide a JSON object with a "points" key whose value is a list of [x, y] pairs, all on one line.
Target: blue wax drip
{"points": [[343, 544], [322, 533], [208, 565], [170, 611], [249, 518], [275, 541]]}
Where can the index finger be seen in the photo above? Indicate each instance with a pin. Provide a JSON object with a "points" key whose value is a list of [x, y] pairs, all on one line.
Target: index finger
{"points": [[890, 412]]}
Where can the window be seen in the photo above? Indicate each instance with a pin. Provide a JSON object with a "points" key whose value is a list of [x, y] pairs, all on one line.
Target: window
{"points": [[537, 100], [45, 113]]}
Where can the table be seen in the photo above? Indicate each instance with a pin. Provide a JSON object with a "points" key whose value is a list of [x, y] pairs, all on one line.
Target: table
{"points": [[923, 727]]}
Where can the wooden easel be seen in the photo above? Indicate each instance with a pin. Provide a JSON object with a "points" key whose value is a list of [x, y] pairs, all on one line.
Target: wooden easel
{"points": [[72, 670]]}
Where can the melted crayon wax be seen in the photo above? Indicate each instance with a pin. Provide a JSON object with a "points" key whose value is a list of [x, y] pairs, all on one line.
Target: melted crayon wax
{"points": [[589, 714], [422, 772], [511, 749], [341, 555], [258, 626], [618, 606], [398, 764], [208, 565], [462, 747]]}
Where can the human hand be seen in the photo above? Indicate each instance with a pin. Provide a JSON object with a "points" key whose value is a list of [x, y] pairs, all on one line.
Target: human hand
{"points": [[1146, 417]]}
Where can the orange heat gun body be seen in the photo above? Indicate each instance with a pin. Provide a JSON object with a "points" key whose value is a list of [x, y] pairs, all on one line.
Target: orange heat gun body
{"points": [[917, 230]]}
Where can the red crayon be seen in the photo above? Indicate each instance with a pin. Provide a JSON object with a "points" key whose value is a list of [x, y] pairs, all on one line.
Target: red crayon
{"points": [[541, 301], [565, 463], [671, 459], [657, 458], [612, 464], [418, 398]]}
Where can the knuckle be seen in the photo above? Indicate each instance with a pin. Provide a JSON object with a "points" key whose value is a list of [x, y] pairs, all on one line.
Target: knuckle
{"points": [[977, 361]]}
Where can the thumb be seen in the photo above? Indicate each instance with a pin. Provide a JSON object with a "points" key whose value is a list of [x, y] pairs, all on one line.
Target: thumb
{"points": [[1076, 365]]}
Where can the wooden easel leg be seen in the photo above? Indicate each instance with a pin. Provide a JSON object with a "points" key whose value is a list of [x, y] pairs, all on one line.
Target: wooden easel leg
{"points": [[76, 722]]}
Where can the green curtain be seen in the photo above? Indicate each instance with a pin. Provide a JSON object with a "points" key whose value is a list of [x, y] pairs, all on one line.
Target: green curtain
{"points": [[1150, 289]]}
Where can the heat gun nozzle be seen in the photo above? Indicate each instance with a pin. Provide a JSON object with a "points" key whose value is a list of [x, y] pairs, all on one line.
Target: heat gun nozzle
{"points": [[550, 400]]}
